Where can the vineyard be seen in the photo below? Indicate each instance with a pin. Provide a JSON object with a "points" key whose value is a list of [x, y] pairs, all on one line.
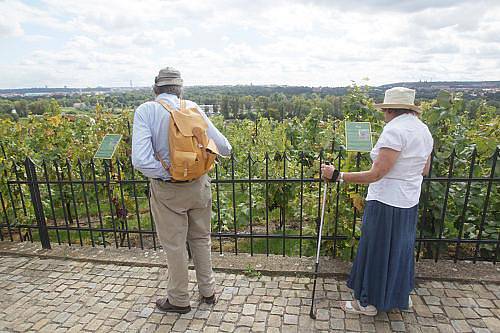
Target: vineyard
{"points": [[267, 194]]}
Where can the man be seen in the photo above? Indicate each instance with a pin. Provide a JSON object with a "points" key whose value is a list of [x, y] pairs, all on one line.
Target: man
{"points": [[181, 209]]}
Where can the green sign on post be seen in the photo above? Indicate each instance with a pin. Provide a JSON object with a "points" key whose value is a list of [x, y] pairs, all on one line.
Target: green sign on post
{"points": [[108, 146], [358, 136]]}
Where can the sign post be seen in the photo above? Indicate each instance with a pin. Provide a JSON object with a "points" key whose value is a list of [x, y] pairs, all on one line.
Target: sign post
{"points": [[358, 136], [108, 146]]}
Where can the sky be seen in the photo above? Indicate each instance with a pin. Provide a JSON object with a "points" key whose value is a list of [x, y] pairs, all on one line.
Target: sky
{"points": [[91, 43]]}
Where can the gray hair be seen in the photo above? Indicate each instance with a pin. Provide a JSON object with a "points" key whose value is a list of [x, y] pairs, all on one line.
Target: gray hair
{"points": [[172, 90], [401, 111]]}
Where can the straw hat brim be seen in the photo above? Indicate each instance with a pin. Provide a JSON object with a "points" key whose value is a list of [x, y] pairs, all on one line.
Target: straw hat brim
{"points": [[398, 106]]}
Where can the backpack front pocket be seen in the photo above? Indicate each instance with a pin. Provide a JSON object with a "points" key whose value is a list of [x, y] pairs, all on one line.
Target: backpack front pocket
{"points": [[183, 161]]}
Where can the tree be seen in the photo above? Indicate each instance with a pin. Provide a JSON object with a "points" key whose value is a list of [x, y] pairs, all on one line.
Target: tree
{"points": [[21, 107], [225, 107], [39, 106], [235, 106], [6, 106]]}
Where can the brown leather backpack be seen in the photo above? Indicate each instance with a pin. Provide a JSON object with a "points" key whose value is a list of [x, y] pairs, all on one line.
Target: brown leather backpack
{"points": [[192, 152]]}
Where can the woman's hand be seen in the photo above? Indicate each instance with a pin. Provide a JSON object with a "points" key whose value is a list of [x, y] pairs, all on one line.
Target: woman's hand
{"points": [[327, 171]]}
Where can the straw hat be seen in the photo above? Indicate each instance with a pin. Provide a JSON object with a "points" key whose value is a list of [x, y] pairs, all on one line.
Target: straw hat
{"points": [[399, 98]]}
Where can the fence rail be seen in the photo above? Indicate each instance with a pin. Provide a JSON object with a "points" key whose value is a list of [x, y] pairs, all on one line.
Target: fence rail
{"points": [[261, 204]]}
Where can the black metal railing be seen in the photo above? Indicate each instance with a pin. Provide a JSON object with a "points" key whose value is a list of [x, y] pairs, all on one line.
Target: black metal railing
{"points": [[267, 203]]}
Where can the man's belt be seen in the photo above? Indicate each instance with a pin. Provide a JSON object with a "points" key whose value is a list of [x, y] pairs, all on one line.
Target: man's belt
{"points": [[172, 180]]}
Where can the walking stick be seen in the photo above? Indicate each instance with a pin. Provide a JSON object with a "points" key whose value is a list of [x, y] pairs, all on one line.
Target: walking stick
{"points": [[311, 314]]}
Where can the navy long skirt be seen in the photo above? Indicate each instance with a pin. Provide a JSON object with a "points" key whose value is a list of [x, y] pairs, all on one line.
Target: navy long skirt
{"points": [[383, 273]]}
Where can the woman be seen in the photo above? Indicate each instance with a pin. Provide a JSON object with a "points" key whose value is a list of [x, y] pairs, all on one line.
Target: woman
{"points": [[382, 274]]}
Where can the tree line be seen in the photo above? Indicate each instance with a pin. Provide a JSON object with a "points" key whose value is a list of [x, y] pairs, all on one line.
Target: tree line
{"points": [[232, 102]]}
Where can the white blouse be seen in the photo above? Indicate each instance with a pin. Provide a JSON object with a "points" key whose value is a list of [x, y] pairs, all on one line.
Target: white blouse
{"points": [[401, 186]]}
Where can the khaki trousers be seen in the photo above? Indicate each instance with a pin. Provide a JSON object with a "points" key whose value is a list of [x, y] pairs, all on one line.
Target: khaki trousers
{"points": [[182, 212]]}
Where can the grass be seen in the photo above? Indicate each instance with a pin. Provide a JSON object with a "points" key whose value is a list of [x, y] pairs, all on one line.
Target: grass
{"points": [[97, 236], [63, 236], [252, 272], [292, 246]]}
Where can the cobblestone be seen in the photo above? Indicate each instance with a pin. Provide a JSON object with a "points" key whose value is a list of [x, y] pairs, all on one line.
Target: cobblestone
{"points": [[53, 295]]}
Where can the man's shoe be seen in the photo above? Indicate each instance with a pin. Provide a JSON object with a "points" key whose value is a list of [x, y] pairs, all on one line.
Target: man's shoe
{"points": [[164, 305], [208, 300]]}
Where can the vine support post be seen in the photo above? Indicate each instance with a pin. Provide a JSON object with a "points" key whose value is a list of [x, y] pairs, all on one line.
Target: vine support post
{"points": [[3, 151]]}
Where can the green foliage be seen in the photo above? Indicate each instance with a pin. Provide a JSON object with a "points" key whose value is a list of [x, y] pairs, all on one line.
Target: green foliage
{"points": [[252, 272], [269, 147], [460, 137]]}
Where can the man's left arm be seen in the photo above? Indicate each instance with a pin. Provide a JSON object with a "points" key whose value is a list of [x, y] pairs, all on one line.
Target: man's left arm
{"points": [[213, 133], [143, 155]]}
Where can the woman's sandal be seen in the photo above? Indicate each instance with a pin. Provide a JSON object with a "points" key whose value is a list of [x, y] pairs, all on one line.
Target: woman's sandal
{"points": [[410, 305], [356, 308]]}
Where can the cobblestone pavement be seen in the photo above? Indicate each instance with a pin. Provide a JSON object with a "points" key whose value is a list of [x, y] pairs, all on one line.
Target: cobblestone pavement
{"points": [[49, 295]]}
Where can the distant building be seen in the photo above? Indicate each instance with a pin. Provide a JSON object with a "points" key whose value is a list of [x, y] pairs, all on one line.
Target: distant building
{"points": [[37, 94], [207, 108], [79, 106]]}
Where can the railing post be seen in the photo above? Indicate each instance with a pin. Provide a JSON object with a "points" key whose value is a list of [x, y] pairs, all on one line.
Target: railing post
{"points": [[128, 128], [37, 203]]}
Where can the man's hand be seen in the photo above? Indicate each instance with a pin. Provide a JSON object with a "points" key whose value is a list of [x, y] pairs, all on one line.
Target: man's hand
{"points": [[327, 171]]}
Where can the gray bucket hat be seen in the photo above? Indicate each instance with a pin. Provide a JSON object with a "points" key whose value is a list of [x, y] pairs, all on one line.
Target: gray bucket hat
{"points": [[168, 76]]}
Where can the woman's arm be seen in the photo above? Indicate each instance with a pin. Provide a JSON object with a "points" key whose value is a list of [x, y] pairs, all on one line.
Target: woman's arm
{"points": [[383, 164], [427, 166]]}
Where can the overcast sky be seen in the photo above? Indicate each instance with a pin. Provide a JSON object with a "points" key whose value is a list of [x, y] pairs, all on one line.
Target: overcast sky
{"points": [[317, 43]]}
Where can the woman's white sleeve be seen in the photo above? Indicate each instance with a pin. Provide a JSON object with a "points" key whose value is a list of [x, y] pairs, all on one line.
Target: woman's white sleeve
{"points": [[391, 138]]}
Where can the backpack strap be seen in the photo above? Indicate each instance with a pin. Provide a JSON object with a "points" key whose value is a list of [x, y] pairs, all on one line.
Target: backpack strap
{"points": [[171, 109], [166, 106], [162, 161]]}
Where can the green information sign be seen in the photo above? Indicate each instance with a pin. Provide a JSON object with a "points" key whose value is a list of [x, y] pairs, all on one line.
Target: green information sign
{"points": [[358, 136], [108, 146]]}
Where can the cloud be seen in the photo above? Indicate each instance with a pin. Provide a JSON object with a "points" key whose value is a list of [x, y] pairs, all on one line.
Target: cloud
{"points": [[85, 43], [11, 19], [10, 29], [403, 6]]}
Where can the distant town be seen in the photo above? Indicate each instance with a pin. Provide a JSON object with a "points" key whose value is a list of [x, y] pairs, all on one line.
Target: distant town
{"points": [[232, 101], [477, 88]]}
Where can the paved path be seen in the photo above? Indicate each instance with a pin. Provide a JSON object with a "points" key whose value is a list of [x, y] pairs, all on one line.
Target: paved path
{"points": [[50, 295]]}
